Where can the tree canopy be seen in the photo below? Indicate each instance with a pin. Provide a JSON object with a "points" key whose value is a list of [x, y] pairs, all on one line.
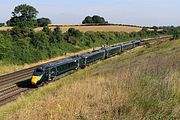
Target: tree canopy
{"points": [[23, 15], [2, 24], [41, 22], [94, 19]]}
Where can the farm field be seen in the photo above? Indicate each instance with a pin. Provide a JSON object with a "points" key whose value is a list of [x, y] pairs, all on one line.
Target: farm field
{"points": [[92, 28], [99, 28], [5, 28], [142, 83]]}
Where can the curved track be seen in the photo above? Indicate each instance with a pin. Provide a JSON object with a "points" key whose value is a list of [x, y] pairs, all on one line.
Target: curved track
{"points": [[13, 84]]}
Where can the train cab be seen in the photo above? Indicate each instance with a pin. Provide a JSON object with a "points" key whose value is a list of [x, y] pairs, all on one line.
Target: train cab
{"points": [[40, 75]]}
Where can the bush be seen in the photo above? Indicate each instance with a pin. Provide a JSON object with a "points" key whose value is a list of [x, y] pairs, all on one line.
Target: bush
{"points": [[6, 46]]}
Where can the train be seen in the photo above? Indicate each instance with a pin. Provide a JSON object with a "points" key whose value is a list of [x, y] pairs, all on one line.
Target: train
{"points": [[55, 70]]}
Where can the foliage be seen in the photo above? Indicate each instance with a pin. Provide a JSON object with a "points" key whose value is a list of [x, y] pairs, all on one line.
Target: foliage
{"points": [[88, 19], [72, 35], [2, 24], [6, 46], [176, 34], [23, 15], [22, 45], [94, 19], [57, 34], [41, 22]]}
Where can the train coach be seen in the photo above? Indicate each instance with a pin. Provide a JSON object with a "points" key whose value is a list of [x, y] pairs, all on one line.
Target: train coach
{"points": [[137, 43], [127, 46], [55, 70], [92, 57], [52, 71], [113, 50]]}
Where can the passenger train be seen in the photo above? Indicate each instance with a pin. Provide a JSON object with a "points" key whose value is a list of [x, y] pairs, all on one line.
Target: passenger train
{"points": [[54, 70]]}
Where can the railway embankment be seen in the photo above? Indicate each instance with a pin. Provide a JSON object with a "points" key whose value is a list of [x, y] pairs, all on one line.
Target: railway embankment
{"points": [[142, 83]]}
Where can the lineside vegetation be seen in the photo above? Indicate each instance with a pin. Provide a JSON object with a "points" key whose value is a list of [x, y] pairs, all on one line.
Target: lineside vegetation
{"points": [[140, 84], [23, 45]]}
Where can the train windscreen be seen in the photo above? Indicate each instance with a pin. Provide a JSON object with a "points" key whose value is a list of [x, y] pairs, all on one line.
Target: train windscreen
{"points": [[38, 71]]}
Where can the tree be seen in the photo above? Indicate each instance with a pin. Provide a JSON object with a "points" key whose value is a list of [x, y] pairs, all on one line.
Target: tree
{"points": [[40, 41], [74, 32], [94, 19], [88, 19], [21, 32], [175, 34], [2, 24], [57, 33], [41, 22], [98, 19], [71, 35], [23, 15]]}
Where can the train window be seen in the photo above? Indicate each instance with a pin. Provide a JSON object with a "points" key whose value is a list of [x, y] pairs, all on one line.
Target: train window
{"points": [[38, 71]]}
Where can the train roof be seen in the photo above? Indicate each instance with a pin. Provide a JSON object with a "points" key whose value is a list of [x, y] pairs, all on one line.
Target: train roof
{"points": [[92, 53], [112, 47], [44, 66], [127, 43], [136, 41], [65, 60]]}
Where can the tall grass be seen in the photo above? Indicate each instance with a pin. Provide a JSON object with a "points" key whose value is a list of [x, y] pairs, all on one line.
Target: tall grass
{"points": [[140, 84]]}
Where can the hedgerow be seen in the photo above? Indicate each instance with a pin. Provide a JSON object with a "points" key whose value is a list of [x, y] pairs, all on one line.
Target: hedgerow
{"points": [[22, 45]]}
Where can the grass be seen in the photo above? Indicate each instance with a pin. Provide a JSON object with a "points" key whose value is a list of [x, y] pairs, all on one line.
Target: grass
{"points": [[5, 28], [100, 28], [140, 84], [92, 28]]}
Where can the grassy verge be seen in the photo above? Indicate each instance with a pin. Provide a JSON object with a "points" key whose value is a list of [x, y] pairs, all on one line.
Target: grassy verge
{"points": [[140, 84]]}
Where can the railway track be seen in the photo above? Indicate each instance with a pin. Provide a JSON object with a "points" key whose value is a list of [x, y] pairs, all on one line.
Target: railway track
{"points": [[13, 84], [11, 92]]}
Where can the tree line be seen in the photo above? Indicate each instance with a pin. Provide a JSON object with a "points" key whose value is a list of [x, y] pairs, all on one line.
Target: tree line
{"points": [[22, 44]]}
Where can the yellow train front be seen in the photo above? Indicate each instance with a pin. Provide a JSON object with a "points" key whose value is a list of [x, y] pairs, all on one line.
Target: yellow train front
{"points": [[40, 75]]}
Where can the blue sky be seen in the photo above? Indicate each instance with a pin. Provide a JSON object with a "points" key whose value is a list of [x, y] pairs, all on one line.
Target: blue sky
{"points": [[139, 12]]}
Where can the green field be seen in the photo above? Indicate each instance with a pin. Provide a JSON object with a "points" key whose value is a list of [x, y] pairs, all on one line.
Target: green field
{"points": [[140, 84]]}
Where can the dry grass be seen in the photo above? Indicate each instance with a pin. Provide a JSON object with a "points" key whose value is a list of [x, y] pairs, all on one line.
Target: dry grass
{"points": [[5, 28], [140, 84], [100, 28], [92, 28]]}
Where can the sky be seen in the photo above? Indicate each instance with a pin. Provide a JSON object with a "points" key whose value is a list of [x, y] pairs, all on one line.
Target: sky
{"points": [[137, 12]]}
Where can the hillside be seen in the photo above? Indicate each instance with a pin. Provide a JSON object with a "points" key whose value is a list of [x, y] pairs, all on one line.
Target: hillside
{"points": [[140, 84], [92, 28]]}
